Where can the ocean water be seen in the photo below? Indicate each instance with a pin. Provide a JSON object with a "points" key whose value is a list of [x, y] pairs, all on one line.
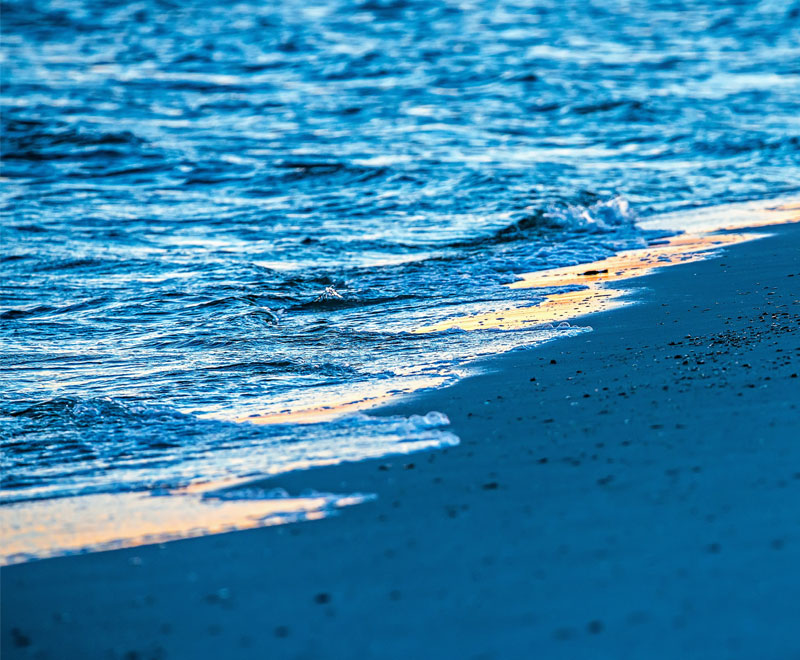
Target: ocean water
{"points": [[211, 211]]}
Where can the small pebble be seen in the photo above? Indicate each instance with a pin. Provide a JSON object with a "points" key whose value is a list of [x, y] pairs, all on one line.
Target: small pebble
{"points": [[595, 627]]}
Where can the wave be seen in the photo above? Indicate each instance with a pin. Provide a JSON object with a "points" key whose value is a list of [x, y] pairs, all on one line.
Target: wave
{"points": [[76, 445], [38, 140], [604, 216]]}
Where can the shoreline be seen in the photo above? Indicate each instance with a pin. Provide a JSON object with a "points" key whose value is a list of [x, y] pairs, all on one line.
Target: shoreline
{"points": [[62, 526], [572, 520]]}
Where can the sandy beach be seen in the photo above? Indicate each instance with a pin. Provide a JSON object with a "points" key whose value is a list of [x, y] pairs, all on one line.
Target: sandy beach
{"points": [[630, 492]]}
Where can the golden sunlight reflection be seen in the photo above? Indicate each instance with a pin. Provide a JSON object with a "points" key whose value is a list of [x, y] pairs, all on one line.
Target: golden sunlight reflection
{"points": [[680, 249], [48, 528], [729, 217], [376, 395], [594, 296], [556, 308]]}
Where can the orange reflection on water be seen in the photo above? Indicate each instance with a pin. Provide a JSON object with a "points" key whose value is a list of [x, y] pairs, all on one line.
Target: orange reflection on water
{"points": [[779, 215], [48, 528], [370, 398], [728, 217], [681, 249], [556, 308], [595, 296]]}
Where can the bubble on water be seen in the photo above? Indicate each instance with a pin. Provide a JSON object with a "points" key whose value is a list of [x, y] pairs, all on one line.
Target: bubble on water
{"points": [[431, 420]]}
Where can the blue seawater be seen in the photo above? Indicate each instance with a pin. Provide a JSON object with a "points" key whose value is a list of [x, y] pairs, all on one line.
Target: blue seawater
{"points": [[229, 208]]}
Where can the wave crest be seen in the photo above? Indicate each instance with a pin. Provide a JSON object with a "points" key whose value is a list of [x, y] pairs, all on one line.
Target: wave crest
{"points": [[603, 216]]}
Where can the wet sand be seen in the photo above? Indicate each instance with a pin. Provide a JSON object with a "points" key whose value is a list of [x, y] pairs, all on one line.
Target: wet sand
{"points": [[632, 492]]}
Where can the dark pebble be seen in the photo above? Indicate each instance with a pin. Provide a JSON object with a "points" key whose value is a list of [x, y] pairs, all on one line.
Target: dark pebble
{"points": [[595, 627], [21, 640]]}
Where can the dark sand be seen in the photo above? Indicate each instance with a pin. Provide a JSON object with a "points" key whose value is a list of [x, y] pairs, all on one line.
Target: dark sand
{"points": [[633, 492]]}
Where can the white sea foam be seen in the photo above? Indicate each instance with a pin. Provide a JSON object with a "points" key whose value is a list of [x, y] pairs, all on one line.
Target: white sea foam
{"points": [[602, 216]]}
